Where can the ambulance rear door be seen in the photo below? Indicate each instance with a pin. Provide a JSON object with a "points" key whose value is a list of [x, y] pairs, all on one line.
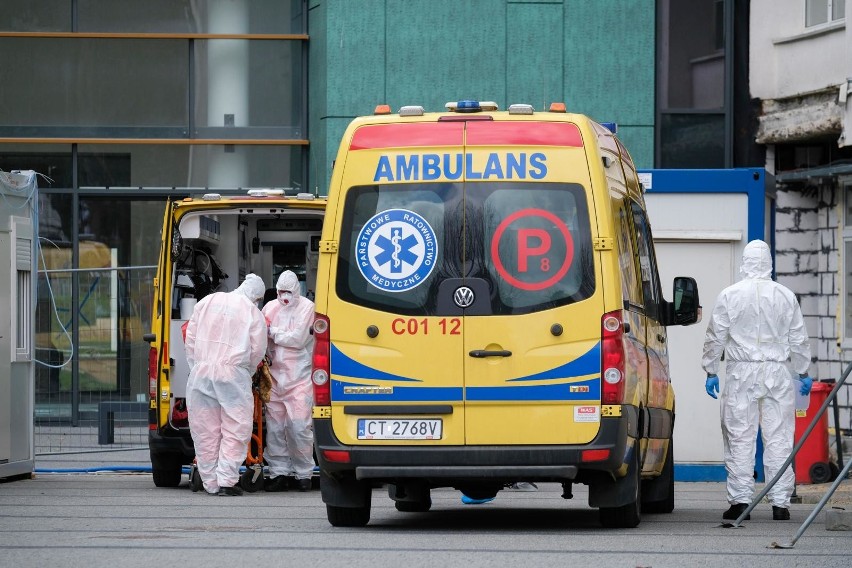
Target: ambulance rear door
{"points": [[397, 353], [532, 328]]}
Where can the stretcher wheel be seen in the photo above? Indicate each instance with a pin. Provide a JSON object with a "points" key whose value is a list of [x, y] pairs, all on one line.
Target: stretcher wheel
{"points": [[195, 482], [248, 481]]}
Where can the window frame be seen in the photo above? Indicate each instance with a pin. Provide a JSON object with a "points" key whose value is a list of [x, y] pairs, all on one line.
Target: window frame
{"points": [[845, 264], [829, 13]]}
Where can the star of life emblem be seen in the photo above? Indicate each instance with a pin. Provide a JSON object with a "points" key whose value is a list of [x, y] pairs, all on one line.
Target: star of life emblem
{"points": [[396, 250]]}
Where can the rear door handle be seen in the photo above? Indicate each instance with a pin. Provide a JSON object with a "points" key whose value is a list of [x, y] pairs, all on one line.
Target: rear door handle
{"points": [[481, 353]]}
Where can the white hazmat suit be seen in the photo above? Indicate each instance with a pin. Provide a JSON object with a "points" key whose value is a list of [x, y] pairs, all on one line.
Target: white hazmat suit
{"points": [[758, 324], [225, 341], [289, 433]]}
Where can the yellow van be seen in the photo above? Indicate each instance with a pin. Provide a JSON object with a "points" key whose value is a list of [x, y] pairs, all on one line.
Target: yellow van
{"points": [[209, 244], [489, 312]]}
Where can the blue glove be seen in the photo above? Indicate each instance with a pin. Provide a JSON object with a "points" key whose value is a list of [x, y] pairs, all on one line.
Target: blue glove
{"points": [[807, 383], [712, 385]]}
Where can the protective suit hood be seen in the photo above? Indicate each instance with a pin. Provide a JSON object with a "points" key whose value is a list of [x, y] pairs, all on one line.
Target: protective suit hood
{"points": [[757, 261], [252, 288], [288, 282]]}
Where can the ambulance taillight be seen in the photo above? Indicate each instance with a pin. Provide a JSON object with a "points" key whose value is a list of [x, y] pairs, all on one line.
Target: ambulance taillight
{"points": [[321, 362], [612, 358]]}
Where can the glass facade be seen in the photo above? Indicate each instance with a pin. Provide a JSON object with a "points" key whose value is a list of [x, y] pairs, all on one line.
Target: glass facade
{"points": [[155, 16], [123, 105], [692, 85]]}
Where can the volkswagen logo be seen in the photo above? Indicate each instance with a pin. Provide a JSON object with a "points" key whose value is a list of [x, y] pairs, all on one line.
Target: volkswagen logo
{"points": [[463, 297]]}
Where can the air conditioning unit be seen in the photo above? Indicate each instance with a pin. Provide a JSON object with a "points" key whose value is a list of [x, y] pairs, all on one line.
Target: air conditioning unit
{"points": [[202, 227]]}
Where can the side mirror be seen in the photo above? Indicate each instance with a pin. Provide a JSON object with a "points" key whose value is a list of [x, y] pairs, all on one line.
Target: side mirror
{"points": [[685, 307]]}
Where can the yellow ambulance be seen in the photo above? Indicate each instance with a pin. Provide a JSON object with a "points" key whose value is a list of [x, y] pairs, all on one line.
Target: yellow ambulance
{"points": [[209, 243], [489, 312]]}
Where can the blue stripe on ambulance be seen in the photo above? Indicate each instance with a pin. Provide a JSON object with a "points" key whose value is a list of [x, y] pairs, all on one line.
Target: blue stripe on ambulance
{"points": [[585, 390], [586, 364], [567, 389], [342, 364]]}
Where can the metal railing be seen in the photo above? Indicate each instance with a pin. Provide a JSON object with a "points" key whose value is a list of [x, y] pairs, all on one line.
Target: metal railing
{"points": [[798, 446], [90, 356]]}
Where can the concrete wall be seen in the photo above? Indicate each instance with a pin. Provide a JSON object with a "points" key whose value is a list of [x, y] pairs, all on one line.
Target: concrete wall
{"points": [[786, 58], [808, 262], [597, 57]]}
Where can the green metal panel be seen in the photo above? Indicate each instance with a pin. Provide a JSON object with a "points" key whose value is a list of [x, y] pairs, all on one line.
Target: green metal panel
{"points": [[443, 50], [597, 57], [534, 63], [356, 56], [609, 60], [347, 51]]}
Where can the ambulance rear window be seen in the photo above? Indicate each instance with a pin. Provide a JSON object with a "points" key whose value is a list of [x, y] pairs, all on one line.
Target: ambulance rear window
{"points": [[528, 242]]}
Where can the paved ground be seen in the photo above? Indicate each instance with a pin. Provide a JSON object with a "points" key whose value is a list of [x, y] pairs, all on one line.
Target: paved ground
{"points": [[110, 519]]}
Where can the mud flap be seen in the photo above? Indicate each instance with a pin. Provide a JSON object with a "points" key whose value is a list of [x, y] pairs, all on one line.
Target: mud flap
{"points": [[344, 490], [607, 493]]}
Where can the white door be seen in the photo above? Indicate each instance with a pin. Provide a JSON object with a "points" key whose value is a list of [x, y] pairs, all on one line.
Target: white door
{"points": [[697, 433]]}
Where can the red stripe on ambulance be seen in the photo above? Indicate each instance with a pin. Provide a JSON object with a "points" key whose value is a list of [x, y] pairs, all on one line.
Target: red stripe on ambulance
{"points": [[408, 135], [523, 133]]}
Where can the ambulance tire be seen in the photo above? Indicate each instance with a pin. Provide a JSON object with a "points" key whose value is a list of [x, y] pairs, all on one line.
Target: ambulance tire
{"points": [[629, 515], [348, 516], [664, 484], [166, 470], [351, 499]]}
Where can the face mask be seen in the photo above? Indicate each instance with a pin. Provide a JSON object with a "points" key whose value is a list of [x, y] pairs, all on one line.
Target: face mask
{"points": [[285, 297]]}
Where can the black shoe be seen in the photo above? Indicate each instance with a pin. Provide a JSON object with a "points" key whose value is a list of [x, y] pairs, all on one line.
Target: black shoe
{"points": [[304, 485], [277, 483], [734, 512], [780, 513], [234, 491]]}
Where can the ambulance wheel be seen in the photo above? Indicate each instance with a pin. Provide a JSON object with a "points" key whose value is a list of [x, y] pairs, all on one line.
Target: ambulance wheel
{"points": [[347, 500], [195, 482], [166, 470], [246, 481], [348, 516], [626, 516]]}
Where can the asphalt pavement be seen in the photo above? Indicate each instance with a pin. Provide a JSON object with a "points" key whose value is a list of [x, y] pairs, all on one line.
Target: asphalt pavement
{"points": [[121, 519]]}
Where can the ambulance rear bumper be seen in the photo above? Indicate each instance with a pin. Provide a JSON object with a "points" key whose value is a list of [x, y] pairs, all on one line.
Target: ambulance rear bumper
{"points": [[498, 462]]}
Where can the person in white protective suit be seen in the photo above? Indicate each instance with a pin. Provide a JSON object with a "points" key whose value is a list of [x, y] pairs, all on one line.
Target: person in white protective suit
{"points": [[289, 433], [758, 324], [225, 342]]}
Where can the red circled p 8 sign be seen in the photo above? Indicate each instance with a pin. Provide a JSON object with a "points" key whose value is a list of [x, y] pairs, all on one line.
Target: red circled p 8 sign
{"points": [[533, 244]]}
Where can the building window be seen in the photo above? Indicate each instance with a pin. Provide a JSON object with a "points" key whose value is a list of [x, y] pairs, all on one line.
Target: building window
{"points": [[819, 12], [691, 84]]}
